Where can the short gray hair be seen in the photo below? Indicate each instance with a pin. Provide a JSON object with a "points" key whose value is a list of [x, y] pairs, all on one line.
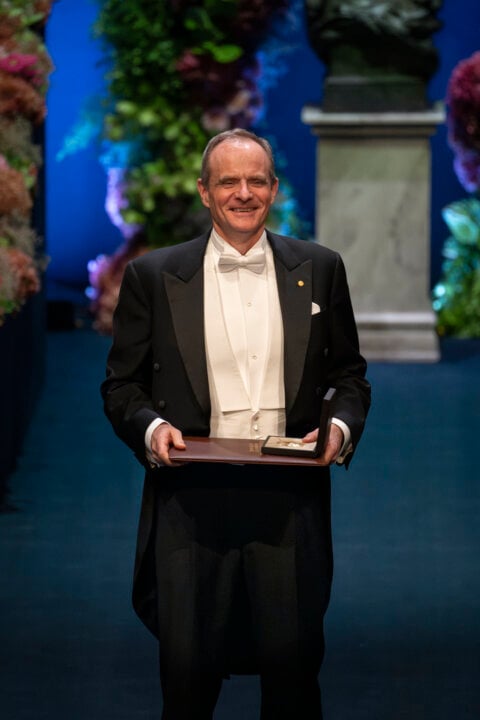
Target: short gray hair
{"points": [[228, 136]]}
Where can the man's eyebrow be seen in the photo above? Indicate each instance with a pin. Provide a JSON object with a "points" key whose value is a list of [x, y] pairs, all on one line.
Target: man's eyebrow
{"points": [[235, 178]]}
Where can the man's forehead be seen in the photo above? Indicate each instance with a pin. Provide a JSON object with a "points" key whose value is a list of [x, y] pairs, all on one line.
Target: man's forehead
{"points": [[239, 162], [238, 148]]}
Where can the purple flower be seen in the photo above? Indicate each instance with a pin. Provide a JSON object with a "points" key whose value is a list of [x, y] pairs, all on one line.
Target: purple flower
{"points": [[463, 121], [467, 168]]}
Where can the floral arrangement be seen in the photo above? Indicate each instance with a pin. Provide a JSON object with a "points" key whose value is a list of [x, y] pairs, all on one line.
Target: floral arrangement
{"points": [[24, 69], [177, 73], [456, 298]]}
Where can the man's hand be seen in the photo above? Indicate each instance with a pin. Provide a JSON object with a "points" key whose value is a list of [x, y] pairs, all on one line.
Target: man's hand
{"points": [[333, 446], [163, 437]]}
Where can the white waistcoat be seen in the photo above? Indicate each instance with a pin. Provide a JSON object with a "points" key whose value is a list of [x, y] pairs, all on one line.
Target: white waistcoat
{"points": [[244, 346]]}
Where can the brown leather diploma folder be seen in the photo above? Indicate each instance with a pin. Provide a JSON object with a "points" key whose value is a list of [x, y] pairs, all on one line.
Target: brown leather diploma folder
{"points": [[277, 445], [271, 451]]}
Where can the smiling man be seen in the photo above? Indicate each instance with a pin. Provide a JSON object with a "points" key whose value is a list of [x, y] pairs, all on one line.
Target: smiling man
{"points": [[237, 333], [238, 186]]}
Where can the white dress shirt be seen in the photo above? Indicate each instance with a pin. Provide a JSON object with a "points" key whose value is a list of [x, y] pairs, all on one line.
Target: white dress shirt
{"points": [[244, 348]]}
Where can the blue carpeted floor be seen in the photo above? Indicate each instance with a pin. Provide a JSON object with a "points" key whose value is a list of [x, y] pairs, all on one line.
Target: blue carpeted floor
{"points": [[403, 628]]}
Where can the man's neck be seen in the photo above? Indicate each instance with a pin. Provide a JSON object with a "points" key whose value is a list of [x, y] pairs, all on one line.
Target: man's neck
{"points": [[241, 244]]}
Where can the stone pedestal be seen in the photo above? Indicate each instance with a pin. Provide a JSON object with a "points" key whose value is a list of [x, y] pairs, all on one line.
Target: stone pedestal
{"points": [[373, 206]]}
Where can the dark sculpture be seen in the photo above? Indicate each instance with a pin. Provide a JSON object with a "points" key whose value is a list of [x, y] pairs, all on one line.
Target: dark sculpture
{"points": [[379, 54]]}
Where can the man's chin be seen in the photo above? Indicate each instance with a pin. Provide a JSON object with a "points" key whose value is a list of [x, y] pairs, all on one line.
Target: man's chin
{"points": [[246, 228], [248, 223]]}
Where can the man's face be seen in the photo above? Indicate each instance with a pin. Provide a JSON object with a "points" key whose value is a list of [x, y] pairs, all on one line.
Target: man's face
{"points": [[240, 192]]}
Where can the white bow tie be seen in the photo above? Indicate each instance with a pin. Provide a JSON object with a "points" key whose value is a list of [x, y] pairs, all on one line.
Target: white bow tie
{"points": [[254, 262]]}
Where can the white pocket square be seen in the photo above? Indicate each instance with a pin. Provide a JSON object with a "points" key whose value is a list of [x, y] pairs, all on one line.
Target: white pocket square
{"points": [[315, 308]]}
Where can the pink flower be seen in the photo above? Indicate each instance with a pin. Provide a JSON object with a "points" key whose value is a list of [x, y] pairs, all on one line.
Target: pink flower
{"points": [[105, 275], [18, 97], [25, 272], [19, 63], [463, 121], [188, 63]]}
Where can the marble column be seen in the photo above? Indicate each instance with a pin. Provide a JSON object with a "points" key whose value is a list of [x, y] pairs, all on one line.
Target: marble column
{"points": [[373, 206]]}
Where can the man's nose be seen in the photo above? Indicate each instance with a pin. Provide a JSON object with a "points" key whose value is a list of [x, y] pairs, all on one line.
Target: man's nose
{"points": [[243, 190]]}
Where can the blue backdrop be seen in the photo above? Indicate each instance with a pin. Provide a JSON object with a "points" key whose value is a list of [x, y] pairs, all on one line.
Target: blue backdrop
{"points": [[77, 227]]}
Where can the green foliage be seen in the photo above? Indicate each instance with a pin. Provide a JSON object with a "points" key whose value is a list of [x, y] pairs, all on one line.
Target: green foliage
{"points": [[144, 42], [25, 69], [148, 111], [22, 11], [177, 72], [456, 298]]}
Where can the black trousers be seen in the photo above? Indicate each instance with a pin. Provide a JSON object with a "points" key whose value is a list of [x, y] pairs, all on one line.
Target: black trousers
{"points": [[243, 561]]}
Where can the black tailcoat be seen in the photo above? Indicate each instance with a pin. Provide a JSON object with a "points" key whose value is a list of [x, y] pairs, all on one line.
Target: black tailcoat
{"points": [[157, 367]]}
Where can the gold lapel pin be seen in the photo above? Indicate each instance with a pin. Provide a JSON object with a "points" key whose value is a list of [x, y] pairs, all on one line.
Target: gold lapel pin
{"points": [[300, 283]]}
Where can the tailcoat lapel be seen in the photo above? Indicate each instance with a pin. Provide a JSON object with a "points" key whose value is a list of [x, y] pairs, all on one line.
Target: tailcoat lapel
{"points": [[294, 281], [185, 292], [185, 296]]}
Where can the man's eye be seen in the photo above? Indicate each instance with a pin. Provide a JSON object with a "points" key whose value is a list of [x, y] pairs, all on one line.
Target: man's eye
{"points": [[258, 183]]}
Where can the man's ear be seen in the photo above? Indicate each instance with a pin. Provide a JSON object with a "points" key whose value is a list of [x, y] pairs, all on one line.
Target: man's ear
{"points": [[203, 192], [274, 190]]}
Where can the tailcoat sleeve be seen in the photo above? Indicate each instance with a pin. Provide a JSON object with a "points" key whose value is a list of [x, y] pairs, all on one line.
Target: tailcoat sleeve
{"points": [[346, 365], [126, 390]]}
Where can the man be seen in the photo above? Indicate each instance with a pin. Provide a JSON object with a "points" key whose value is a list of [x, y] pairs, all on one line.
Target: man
{"points": [[234, 562]]}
